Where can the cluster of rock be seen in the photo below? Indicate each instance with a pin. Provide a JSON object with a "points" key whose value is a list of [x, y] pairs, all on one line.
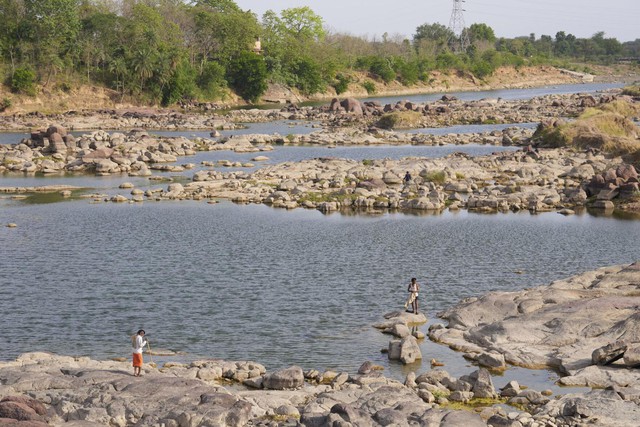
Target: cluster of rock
{"points": [[376, 136], [115, 120], [403, 326], [444, 112], [620, 182], [54, 150], [40, 389], [514, 181], [449, 110]]}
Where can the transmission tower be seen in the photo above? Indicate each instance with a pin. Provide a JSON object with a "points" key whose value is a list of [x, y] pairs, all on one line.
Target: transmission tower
{"points": [[460, 41]]}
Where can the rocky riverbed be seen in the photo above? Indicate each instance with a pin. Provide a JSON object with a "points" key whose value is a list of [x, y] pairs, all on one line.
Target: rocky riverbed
{"points": [[544, 180], [346, 112], [585, 325]]}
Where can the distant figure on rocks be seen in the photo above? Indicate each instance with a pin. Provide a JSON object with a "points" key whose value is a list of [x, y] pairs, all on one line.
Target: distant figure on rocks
{"points": [[413, 289], [407, 178], [138, 343]]}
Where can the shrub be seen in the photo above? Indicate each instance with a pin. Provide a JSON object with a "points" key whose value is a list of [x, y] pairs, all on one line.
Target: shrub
{"points": [[211, 80], [633, 90], [399, 120], [307, 76], [23, 81], [5, 104], [182, 85], [382, 68], [247, 75], [342, 83], [408, 73], [369, 86], [437, 177]]}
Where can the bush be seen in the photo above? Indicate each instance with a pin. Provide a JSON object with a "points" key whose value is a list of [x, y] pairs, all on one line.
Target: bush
{"points": [[182, 85], [211, 80], [342, 83], [23, 81], [382, 68], [308, 77], [399, 120], [633, 90], [408, 72], [437, 177], [448, 61], [482, 69], [5, 104], [369, 86], [247, 75]]}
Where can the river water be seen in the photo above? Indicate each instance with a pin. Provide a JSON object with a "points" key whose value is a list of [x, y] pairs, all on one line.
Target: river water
{"points": [[278, 287]]}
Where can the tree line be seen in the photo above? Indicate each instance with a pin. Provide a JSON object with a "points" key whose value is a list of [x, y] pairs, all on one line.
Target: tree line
{"points": [[165, 51]]}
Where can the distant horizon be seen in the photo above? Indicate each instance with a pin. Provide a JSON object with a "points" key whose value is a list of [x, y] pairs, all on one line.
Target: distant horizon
{"points": [[510, 19]]}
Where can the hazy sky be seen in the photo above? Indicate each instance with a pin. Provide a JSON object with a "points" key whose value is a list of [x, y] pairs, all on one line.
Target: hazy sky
{"points": [[508, 18]]}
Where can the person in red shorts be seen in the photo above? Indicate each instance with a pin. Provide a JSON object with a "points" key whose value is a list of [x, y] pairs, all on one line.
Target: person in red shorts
{"points": [[138, 343]]}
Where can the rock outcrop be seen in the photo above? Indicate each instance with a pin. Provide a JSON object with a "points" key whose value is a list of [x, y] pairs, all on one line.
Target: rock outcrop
{"points": [[580, 326]]}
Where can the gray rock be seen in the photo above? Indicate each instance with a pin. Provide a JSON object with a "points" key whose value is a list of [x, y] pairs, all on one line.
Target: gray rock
{"points": [[409, 350], [632, 356], [609, 353], [483, 385], [283, 379], [399, 330], [492, 361], [462, 418]]}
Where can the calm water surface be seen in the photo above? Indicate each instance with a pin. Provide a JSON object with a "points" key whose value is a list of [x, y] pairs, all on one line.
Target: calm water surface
{"points": [[508, 94], [275, 286]]}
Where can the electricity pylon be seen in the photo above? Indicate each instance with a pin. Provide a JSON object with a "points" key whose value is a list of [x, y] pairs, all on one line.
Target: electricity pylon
{"points": [[456, 25]]}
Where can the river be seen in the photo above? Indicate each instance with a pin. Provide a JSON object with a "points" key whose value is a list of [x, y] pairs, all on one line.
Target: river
{"points": [[278, 287]]}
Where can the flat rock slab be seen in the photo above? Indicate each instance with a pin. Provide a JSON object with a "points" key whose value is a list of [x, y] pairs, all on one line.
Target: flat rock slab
{"points": [[564, 321]]}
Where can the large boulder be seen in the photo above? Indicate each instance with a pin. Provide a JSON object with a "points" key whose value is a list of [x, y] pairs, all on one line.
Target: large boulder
{"points": [[483, 385], [283, 379], [18, 411], [409, 350], [609, 353], [352, 105]]}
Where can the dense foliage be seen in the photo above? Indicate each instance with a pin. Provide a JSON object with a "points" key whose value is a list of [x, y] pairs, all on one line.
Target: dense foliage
{"points": [[165, 51]]}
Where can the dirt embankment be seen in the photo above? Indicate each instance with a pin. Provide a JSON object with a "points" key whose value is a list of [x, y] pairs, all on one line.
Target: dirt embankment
{"points": [[87, 97]]}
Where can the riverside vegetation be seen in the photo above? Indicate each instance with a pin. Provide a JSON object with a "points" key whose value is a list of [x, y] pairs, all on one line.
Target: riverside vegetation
{"points": [[205, 51]]}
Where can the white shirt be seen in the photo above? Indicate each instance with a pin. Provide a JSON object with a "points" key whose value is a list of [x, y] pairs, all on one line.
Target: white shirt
{"points": [[140, 343]]}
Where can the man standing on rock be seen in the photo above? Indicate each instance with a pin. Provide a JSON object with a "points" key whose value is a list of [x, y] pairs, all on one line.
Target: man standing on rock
{"points": [[138, 344], [407, 179], [413, 288]]}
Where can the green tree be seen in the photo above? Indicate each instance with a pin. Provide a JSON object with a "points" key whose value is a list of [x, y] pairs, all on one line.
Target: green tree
{"points": [[13, 34], [53, 26], [221, 31], [480, 32], [432, 39], [247, 75]]}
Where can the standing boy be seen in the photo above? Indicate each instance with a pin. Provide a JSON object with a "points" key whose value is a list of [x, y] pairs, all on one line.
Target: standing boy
{"points": [[138, 345]]}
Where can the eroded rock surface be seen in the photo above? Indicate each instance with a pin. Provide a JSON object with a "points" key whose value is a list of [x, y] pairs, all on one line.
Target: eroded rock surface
{"points": [[565, 323]]}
